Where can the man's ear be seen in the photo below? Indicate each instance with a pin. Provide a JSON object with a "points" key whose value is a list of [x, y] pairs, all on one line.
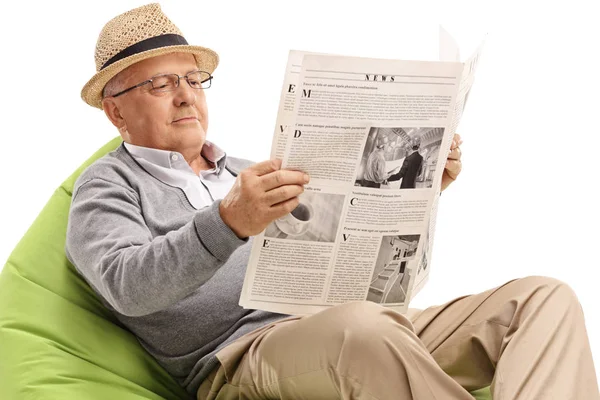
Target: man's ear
{"points": [[111, 109]]}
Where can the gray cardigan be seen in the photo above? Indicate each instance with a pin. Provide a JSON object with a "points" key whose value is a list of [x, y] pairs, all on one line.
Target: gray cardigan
{"points": [[170, 273]]}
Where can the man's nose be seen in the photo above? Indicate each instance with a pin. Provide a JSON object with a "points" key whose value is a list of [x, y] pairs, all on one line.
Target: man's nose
{"points": [[185, 94]]}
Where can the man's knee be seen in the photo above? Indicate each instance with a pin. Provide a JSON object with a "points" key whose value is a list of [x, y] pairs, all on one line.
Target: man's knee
{"points": [[555, 286], [365, 315], [366, 324]]}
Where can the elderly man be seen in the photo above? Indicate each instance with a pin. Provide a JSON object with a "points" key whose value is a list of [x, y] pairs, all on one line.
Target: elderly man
{"points": [[161, 229]]}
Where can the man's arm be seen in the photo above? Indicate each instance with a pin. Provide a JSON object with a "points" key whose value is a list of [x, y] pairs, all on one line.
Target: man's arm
{"points": [[400, 174], [379, 170], [110, 244]]}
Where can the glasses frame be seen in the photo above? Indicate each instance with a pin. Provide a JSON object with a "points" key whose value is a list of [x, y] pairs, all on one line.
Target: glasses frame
{"points": [[209, 79]]}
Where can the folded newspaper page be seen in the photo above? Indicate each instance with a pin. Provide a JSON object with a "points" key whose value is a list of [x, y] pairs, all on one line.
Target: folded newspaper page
{"points": [[373, 135]]}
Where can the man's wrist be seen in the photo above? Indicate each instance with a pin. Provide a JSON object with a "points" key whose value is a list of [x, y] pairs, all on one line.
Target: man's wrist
{"points": [[215, 234], [225, 218]]}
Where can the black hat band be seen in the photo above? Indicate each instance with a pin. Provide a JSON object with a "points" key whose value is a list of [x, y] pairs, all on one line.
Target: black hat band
{"points": [[155, 42]]}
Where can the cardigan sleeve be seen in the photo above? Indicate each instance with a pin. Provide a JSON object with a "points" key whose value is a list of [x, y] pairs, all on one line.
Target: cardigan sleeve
{"points": [[110, 244]]}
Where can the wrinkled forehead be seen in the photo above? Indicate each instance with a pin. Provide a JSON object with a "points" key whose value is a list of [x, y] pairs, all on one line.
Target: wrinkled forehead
{"points": [[174, 63]]}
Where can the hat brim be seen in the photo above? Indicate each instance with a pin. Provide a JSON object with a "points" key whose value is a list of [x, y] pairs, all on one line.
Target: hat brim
{"points": [[206, 60]]}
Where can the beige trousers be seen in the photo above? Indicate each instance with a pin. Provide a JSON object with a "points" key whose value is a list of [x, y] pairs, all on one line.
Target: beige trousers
{"points": [[527, 338]]}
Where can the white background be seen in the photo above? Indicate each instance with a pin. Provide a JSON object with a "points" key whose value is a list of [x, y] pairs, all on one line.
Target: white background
{"points": [[525, 204]]}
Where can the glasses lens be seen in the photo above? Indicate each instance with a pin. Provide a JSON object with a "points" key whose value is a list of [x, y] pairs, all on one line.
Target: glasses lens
{"points": [[199, 80], [164, 83]]}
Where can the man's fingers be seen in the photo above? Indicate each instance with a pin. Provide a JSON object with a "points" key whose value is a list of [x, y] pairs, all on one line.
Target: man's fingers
{"points": [[283, 208], [283, 193], [455, 154], [456, 141], [265, 167], [447, 180], [453, 168], [283, 177]]}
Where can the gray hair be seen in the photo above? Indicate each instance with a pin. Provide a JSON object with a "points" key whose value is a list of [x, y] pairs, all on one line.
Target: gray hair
{"points": [[114, 85]]}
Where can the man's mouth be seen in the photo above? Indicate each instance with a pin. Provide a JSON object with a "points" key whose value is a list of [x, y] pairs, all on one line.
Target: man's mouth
{"points": [[186, 119]]}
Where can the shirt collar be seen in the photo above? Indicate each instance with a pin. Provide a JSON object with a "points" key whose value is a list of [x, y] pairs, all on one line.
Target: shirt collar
{"points": [[175, 160], [214, 154]]}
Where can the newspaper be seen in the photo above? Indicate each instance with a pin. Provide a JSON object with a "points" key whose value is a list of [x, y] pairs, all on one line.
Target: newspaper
{"points": [[373, 135]]}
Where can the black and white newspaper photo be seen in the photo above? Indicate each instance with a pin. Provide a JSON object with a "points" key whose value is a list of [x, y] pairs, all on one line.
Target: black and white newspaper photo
{"points": [[400, 158], [316, 218], [394, 269]]}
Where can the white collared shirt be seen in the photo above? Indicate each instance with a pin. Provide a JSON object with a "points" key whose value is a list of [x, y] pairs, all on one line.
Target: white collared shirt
{"points": [[171, 168]]}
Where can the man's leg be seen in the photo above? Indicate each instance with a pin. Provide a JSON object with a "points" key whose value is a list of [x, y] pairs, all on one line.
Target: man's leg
{"points": [[526, 337], [353, 351]]}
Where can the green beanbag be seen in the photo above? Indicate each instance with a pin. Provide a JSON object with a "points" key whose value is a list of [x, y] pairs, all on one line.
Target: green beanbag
{"points": [[57, 341]]}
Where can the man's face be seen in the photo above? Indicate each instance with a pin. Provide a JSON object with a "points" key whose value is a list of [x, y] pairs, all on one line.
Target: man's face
{"points": [[175, 120]]}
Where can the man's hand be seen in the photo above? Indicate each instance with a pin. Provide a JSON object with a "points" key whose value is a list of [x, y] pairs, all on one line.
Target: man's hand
{"points": [[395, 170], [453, 163], [261, 194]]}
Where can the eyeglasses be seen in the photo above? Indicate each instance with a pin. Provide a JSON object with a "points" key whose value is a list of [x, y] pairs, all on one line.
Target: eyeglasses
{"points": [[169, 82]]}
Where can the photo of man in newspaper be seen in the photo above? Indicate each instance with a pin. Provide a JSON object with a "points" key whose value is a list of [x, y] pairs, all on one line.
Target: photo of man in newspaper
{"points": [[400, 158], [316, 218], [391, 275]]}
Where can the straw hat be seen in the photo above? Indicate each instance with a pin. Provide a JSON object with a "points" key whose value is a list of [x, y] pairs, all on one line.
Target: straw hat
{"points": [[131, 37]]}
